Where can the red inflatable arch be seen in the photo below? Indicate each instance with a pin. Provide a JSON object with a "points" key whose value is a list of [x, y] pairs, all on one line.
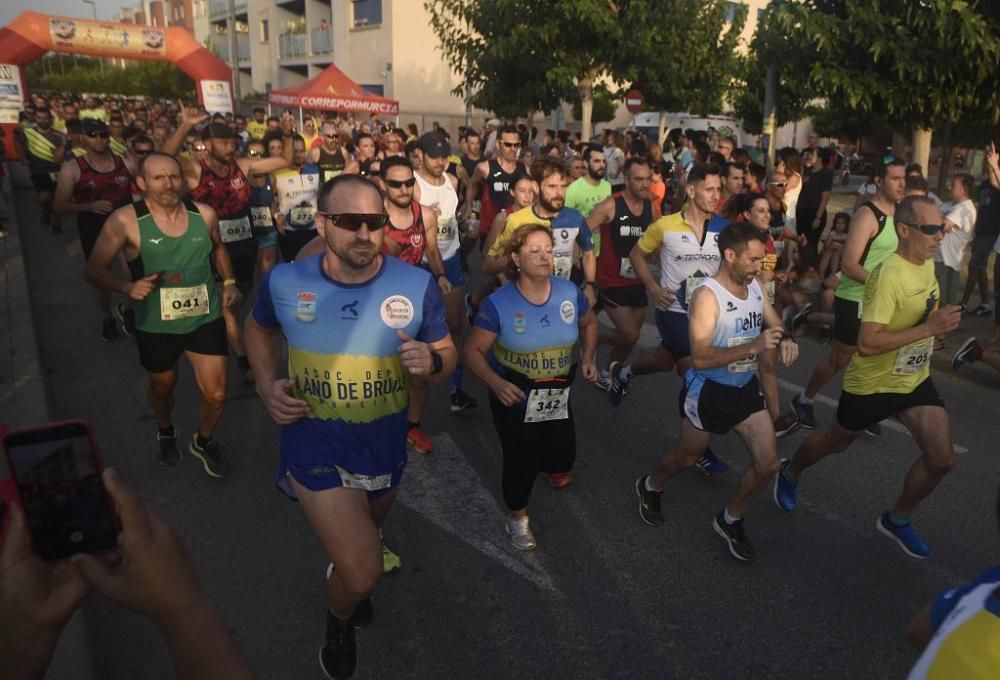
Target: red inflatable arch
{"points": [[31, 35]]}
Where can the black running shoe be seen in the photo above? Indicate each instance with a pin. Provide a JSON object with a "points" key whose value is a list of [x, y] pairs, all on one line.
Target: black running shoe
{"points": [[363, 614], [874, 430], [460, 401], [736, 539], [109, 330], [170, 453], [649, 503], [338, 657], [210, 456], [126, 316]]}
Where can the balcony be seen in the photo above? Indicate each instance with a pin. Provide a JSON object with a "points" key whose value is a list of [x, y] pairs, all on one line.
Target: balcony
{"points": [[292, 45], [221, 45], [219, 8], [321, 43]]}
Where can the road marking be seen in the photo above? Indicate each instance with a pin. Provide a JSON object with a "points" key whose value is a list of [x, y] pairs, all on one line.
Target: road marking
{"points": [[445, 489]]}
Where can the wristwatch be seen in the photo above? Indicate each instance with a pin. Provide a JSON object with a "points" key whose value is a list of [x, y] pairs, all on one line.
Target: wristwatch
{"points": [[589, 283], [438, 363]]}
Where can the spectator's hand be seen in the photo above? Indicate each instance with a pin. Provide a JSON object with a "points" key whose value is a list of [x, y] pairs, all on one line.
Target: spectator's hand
{"points": [[283, 408], [37, 598], [287, 122], [155, 577], [992, 157], [138, 290]]}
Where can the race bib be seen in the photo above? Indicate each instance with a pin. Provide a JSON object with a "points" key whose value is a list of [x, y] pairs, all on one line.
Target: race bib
{"points": [[330, 174], [183, 301], [746, 364], [446, 231], [627, 271], [562, 265], [260, 216], [769, 287], [914, 357], [349, 480], [692, 283], [236, 230], [302, 214], [546, 404]]}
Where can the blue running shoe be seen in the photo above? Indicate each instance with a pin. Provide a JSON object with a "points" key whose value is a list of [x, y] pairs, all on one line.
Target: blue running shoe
{"points": [[711, 464], [905, 536], [804, 413], [619, 385], [966, 354], [784, 490]]}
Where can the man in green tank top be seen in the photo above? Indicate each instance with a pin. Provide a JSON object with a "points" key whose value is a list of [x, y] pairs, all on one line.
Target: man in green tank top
{"points": [[871, 238], [170, 245]]}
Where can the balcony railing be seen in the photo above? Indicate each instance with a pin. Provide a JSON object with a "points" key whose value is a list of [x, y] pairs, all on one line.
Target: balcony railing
{"points": [[321, 43], [242, 46], [218, 7], [293, 45]]}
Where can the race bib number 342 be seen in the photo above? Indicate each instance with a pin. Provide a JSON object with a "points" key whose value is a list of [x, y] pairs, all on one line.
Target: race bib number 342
{"points": [[547, 405]]}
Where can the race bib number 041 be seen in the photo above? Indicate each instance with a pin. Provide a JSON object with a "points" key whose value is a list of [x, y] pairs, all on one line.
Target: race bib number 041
{"points": [[547, 405], [183, 301]]}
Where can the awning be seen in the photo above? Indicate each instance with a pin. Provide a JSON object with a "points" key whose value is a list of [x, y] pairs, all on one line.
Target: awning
{"points": [[332, 90]]}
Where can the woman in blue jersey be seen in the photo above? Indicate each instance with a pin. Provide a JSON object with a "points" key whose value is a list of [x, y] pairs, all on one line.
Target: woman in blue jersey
{"points": [[521, 346]]}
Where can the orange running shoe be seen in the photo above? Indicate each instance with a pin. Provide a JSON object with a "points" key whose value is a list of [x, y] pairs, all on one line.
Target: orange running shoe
{"points": [[558, 480], [419, 440]]}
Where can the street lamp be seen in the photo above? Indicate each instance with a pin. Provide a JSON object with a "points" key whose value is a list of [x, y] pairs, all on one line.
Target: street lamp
{"points": [[93, 6]]}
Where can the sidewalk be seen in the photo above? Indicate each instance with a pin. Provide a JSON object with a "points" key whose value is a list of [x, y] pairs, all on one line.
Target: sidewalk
{"points": [[24, 398]]}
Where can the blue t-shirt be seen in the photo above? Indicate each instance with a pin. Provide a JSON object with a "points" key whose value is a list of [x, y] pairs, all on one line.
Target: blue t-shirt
{"points": [[534, 340], [343, 355]]}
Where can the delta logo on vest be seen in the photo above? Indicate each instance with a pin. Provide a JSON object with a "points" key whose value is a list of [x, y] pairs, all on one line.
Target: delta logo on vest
{"points": [[747, 323], [305, 307]]}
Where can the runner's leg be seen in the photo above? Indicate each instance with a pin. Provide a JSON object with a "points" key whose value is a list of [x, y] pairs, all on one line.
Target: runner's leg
{"points": [[757, 432], [818, 446], [210, 374], [691, 444], [161, 396], [625, 335], [931, 429]]}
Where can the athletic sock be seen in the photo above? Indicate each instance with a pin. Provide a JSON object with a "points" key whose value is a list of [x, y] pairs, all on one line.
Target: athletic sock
{"points": [[167, 432], [649, 487], [202, 442], [729, 519], [898, 520], [804, 399]]}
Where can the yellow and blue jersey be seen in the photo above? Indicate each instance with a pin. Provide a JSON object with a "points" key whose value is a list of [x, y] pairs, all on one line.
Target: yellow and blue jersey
{"points": [[966, 642], [535, 341], [343, 356]]}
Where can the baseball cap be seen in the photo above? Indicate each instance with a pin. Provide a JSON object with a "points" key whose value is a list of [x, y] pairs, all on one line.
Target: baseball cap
{"points": [[433, 144], [495, 122], [217, 131], [88, 125]]}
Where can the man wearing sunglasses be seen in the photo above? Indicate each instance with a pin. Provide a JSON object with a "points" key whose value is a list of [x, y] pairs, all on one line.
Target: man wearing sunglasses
{"points": [[329, 155], [359, 328], [93, 186], [890, 374], [493, 178]]}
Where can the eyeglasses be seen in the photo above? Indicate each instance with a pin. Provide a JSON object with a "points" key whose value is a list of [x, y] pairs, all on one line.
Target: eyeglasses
{"points": [[780, 185], [511, 145], [354, 221], [399, 183], [330, 136], [928, 229], [95, 135]]}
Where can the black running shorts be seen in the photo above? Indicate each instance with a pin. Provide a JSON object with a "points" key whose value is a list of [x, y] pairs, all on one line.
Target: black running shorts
{"points": [[717, 408], [846, 321], [623, 296], [159, 352], [856, 412]]}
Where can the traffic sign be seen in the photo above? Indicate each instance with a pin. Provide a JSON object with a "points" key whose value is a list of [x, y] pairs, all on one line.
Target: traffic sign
{"points": [[634, 101]]}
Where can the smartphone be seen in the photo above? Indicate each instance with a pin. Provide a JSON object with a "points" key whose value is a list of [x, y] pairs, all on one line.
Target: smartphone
{"points": [[56, 471]]}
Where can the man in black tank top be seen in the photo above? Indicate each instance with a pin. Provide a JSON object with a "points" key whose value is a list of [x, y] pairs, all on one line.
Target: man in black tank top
{"points": [[492, 179], [330, 155]]}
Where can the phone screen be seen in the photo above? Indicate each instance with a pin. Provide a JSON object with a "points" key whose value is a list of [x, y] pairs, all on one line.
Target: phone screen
{"points": [[58, 478]]}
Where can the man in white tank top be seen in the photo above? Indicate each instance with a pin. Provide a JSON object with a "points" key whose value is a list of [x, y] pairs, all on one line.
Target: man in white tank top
{"points": [[728, 315], [437, 190]]}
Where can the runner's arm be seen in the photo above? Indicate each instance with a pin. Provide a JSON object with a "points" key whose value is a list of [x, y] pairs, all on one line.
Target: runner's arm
{"points": [[880, 302], [263, 347], [431, 248], [602, 212], [63, 202], [189, 118], [788, 348], [59, 155], [588, 348], [993, 166], [472, 187], [495, 260], [112, 240], [703, 314], [220, 255], [861, 230], [474, 352], [265, 166]]}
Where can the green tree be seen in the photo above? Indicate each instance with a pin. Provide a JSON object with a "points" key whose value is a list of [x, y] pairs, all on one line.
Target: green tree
{"points": [[926, 64], [146, 78], [605, 105]]}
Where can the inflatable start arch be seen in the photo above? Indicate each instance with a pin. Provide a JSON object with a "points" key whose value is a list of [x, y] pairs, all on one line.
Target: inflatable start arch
{"points": [[32, 35]]}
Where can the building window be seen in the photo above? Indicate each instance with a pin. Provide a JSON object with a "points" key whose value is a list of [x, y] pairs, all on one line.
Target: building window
{"points": [[375, 89], [367, 12], [265, 31], [731, 8]]}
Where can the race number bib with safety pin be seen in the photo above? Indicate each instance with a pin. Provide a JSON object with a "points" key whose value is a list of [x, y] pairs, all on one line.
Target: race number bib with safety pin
{"points": [[547, 404], [627, 271], [349, 480], [302, 214], [183, 301], [769, 287], [260, 216], [691, 285], [236, 230], [913, 357], [562, 265], [746, 364]]}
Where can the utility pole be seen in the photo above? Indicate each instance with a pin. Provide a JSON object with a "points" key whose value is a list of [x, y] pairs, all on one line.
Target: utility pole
{"points": [[769, 128], [234, 58]]}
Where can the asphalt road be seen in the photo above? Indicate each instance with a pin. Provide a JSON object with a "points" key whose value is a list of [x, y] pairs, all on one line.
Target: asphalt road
{"points": [[603, 596]]}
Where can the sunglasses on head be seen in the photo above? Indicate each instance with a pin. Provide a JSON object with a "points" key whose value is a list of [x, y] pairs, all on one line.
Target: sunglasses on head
{"points": [[399, 183], [95, 135], [354, 221]]}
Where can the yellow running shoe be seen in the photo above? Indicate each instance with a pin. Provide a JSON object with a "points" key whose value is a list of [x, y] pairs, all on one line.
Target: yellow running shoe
{"points": [[390, 561]]}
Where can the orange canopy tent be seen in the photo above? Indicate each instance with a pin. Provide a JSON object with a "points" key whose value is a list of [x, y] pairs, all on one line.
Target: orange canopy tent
{"points": [[332, 90]]}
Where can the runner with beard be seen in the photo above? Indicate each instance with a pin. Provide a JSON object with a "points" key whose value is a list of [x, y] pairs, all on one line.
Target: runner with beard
{"points": [[492, 179], [330, 155]]}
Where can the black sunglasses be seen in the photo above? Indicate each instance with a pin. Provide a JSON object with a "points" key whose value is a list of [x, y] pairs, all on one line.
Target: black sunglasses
{"points": [[399, 183], [330, 136], [927, 229], [354, 221], [511, 145], [95, 135], [142, 152]]}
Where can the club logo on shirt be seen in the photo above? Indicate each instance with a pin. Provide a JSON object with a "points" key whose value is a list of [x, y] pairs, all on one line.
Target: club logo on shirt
{"points": [[305, 307], [730, 307], [519, 324], [236, 182], [544, 321], [121, 180], [567, 311], [349, 311], [396, 311]]}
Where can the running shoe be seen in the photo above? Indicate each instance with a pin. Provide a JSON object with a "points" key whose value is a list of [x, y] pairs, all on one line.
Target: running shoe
{"points": [[968, 353], [471, 310], [126, 315], [619, 386], [982, 310], [210, 456], [338, 657], [391, 562], [109, 330], [520, 533], [785, 424], [711, 464], [784, 489], [559, 480], [460, 401], [603, 381], [419, 440], [649, 503], [170, 453], [736, 539], [905, 536], [874, 430], [826, 335], [802, 317], [804, 413]]}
